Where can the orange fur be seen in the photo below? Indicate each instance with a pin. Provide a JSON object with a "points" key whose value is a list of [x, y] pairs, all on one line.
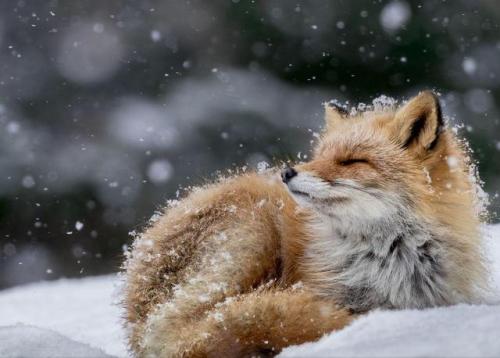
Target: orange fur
{"points": [[217, 274]]}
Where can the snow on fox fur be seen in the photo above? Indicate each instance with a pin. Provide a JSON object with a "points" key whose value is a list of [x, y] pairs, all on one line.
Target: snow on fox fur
{"points": [[384, 215]]}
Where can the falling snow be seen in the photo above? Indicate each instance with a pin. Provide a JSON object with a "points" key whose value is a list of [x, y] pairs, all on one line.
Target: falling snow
{"points": [[155, 35], [160, 171], [111, 110], [262, 166], [395, 15], [469, 65], [78, 226]]}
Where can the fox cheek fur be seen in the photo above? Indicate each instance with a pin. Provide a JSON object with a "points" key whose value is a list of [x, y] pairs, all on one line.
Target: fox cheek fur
{"points": [[379, 241]]}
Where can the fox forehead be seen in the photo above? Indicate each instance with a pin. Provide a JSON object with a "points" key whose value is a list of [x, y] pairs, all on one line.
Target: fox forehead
{"points": [[351, 143], [368, 120], [363, 135], [367, 137]]}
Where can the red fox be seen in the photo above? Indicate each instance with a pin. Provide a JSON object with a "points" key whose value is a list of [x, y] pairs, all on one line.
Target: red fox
{"points": [[384, 215]]}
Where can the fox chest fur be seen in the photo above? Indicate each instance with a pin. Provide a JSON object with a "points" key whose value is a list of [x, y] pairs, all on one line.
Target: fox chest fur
{"points": [[396, 262]]}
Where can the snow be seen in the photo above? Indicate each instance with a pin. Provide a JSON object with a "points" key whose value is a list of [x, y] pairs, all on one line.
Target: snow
{"points": [[61, 313], [155, 35], [478, 100], [262, 166], [78, 225], [395, 15], [42, 343], [160, 171], [88, 54], [28, 182], [469, 65], [82, 317], [463, 330]]}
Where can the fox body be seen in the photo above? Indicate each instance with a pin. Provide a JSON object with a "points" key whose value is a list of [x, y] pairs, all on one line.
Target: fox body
{"points": [[384, 215]]}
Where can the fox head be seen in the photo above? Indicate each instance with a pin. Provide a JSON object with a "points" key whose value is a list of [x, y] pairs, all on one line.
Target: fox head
{"points": [[392, 184], [367, 164]]}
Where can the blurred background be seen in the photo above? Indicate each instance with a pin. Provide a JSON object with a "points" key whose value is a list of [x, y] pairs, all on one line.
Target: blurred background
{"points": [[109, 108]]}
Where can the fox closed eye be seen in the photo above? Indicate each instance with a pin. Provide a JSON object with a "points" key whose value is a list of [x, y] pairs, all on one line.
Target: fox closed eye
{"points": [[352, 161]]}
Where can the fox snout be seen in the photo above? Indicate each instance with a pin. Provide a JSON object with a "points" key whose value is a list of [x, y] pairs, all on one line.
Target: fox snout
{"points": [[287, 174]]}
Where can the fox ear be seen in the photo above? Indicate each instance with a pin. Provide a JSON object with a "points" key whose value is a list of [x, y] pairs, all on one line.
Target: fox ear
{"points": [[334, 114], [419, 122]]}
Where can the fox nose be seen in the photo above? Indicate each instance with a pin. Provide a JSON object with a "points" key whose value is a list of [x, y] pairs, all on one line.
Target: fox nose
{"points": [[287, 174]]}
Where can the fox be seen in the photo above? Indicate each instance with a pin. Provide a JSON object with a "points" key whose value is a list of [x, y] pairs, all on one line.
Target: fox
{"points": [[385, 215]]}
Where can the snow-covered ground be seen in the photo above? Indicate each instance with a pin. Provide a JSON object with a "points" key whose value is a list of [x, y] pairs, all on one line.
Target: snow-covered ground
{"points": [[76, 318], [84, 310]]}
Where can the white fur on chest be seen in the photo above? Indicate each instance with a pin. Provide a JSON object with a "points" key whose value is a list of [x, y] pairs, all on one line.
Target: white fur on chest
{"points": [[386, 261]]}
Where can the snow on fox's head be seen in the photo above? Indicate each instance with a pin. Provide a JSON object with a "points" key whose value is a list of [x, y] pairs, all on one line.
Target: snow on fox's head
{"points": [[368, 164]]}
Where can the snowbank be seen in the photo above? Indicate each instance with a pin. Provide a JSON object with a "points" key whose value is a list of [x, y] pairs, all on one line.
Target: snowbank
{"points": [[28, 341], [83, 310], [458, 331], [73, 318]]}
